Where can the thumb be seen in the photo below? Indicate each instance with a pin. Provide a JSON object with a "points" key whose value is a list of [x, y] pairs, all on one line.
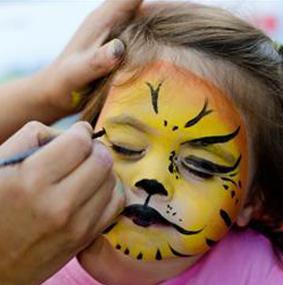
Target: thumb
{"points": [[95, 63]]}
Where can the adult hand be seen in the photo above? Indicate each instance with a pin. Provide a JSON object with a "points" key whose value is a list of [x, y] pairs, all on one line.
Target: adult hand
{"points": [[87, 57], [54, 203], [53, 92]]}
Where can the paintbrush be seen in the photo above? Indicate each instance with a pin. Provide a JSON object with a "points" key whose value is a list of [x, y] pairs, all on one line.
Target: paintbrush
{"points": [[20, 157]]}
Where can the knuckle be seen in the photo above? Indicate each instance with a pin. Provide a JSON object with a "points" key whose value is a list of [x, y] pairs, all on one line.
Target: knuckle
{"points": [[55, 217], [85, 125], [34, 126]]}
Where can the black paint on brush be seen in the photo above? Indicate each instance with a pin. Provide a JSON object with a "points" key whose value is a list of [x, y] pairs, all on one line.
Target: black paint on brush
{"points": [[98, 134]]}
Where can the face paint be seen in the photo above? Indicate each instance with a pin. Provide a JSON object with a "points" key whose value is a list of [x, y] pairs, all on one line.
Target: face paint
{"points": [[179, 147]]}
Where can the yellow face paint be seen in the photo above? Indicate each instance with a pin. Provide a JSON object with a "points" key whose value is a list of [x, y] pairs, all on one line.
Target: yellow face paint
{"points": [[179, 147]]}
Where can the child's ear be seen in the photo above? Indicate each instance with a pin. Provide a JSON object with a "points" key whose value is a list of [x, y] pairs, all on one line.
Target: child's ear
{"points": [[245, 215]]}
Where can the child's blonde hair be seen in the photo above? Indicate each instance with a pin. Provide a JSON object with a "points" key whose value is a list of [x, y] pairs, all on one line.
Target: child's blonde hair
{"points": [[238, 58]]}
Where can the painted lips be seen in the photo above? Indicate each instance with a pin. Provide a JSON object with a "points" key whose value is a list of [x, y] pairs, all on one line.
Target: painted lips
{"points": [[146, 216]]}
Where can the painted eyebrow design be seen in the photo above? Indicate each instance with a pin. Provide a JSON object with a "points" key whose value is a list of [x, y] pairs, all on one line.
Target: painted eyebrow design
{"points": [[205, 141], [210, 166], [131, 122], [154, 92], [204, 112]]}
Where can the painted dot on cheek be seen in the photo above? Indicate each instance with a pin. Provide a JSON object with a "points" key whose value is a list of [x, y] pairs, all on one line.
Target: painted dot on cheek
{"points": [[226, 187], [140, 256], [158, 255]]}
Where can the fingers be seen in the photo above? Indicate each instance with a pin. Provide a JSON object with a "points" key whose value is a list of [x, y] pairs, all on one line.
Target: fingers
{"points": [[86, 179], [61, 156], [113, 208], [96, 62], [98, 24], [31, 135], [88, 215], [106, 58], [101, 210]]}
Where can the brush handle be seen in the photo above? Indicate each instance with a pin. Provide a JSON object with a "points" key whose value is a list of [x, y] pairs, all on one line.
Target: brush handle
{"points": [[20, 157]]}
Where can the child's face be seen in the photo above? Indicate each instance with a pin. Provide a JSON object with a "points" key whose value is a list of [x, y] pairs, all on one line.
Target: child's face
{"points": [[179, 148]]}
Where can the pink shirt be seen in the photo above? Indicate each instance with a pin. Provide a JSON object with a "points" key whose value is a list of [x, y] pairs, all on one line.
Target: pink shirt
{"points": [[241, 258]]}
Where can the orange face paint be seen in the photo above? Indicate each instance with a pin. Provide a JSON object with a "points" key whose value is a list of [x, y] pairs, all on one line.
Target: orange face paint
{"points": [[179, 147]]}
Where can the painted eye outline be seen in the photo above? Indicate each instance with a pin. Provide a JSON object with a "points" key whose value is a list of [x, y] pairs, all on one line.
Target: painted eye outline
{"points": [[127, 152], [200, 172]]}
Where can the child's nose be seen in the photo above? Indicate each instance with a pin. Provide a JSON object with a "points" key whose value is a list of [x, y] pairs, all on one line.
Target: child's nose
{"points": [[152, 187]]}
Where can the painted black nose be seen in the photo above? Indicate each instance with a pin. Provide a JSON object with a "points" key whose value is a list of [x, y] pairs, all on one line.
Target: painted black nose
{"points": [[152, 187]]}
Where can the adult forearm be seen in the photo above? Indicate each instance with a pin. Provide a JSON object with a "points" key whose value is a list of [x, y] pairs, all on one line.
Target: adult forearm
{"points": [[23, 100]]}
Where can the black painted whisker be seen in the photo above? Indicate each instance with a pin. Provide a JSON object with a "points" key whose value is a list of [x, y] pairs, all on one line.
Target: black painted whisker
{"points": [[204, 112]]}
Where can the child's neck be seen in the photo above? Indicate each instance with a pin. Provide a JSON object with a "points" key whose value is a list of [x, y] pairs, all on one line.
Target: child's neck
{"points": [[111, 267]]}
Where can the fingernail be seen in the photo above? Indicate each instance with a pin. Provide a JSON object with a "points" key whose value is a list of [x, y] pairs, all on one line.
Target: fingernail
{"points": [[102, 153], [117, 48]]}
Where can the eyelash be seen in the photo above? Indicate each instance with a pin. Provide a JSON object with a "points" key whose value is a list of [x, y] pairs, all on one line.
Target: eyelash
{"points": [[125, 151], [196, 172], [132, 153]]}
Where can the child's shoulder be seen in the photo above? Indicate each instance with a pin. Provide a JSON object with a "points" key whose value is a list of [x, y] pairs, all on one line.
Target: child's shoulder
{"points": [[242, 257]]}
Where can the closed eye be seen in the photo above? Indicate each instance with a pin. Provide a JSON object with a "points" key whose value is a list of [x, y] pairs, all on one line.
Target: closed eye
{"points": [[199, 172], [126, 151]]}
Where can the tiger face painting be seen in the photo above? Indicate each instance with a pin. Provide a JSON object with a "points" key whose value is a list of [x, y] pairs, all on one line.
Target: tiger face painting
{"points": [[179, 147]]}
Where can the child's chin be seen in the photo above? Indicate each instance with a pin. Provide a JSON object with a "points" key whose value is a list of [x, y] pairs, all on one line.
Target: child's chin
{"points": [[101, 256]]}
